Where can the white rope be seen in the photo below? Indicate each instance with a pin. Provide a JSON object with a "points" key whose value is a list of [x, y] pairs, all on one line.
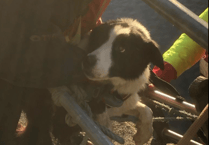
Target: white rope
{"points": [[70, 121], [77, 92], [57, 93]]}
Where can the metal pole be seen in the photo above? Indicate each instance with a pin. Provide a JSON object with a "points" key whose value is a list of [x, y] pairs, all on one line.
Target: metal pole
{"points": [[175, 136], [183, 19], [172, 101], [83, 120]]}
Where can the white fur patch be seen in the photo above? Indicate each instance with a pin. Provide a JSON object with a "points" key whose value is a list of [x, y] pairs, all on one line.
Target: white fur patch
{"points": [[133, 106], [104, 62], [117, 30], [131, 86], [136, 24]]}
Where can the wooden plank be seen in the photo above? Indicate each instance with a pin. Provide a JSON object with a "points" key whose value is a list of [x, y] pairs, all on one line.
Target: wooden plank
{"points": [[203, 117]]}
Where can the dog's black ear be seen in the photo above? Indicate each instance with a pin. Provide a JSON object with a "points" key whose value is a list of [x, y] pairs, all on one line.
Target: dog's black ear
{"points": [[155, 55], [164, 86]]}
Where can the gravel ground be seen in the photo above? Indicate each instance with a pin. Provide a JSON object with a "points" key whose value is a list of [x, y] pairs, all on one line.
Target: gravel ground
{"points": [[125, 130]]}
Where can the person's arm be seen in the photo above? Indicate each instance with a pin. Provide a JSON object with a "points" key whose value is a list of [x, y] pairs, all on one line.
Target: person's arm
{"points": [[182, 55], [33, 51]]}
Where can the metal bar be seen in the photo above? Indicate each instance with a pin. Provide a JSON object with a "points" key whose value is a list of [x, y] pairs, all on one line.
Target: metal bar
{"points": [[175, 136], [203, 117], [161, 97], [82, 119], [171, 111], [168, 119], [183, 19]]}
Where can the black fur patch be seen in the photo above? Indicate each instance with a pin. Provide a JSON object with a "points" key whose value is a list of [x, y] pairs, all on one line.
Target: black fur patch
{"points": [[131, 63], [99, 36]]}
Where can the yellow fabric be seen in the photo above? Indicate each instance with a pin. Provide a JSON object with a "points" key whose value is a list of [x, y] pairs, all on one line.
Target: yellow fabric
{"points": [[185, 52], [204, 15]]}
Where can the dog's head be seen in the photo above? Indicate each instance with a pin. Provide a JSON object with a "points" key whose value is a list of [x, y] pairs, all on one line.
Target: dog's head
{"points": [[121, 48]]}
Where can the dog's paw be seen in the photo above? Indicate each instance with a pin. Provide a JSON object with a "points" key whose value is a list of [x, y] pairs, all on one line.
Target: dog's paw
{"points": [[144, 127], [144, 133]]}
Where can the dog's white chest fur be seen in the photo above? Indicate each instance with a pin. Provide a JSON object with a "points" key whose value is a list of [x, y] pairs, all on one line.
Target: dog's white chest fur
{"points": [[123, 86]]}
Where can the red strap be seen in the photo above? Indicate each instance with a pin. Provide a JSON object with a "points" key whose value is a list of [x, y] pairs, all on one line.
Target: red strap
{"points": [[90, 20], [206, 56], [96, 9], [168, 74]]}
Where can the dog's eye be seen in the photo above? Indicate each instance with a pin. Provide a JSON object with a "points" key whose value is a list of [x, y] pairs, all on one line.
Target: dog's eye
{"points": [[121, 49]]}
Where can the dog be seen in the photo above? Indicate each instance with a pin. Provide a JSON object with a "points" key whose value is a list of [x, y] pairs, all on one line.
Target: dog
{"points": [[120, 52]]}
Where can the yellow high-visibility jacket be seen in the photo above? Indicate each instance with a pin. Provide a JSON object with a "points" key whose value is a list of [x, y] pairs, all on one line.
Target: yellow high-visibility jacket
{"points": [[185, 52]]}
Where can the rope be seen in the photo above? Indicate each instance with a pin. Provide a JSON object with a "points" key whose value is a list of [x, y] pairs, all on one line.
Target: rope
{"points": [[70, 121], [57, 93], [78, 93]]}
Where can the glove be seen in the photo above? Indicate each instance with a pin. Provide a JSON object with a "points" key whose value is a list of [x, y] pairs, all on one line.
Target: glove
{"points": [[169, 73]]}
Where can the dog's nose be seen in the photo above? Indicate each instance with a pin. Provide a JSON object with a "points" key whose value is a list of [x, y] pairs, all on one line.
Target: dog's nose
{"points": [[90, 61]]}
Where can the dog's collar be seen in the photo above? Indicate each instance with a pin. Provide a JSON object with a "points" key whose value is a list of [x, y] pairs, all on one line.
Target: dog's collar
{"points": [[119, 96]]}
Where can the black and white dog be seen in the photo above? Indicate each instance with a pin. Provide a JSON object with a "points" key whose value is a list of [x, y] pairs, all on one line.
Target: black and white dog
{"points": [[120, 52]]}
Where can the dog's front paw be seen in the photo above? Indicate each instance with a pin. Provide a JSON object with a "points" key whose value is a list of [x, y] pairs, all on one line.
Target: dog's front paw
{"points": [[144, 133], [144, 127]]}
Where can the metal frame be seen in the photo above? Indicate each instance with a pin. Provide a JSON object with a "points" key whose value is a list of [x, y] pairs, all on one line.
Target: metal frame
{"points": [[175, 136], [154, 94], [184, 19], [197, 29]]}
